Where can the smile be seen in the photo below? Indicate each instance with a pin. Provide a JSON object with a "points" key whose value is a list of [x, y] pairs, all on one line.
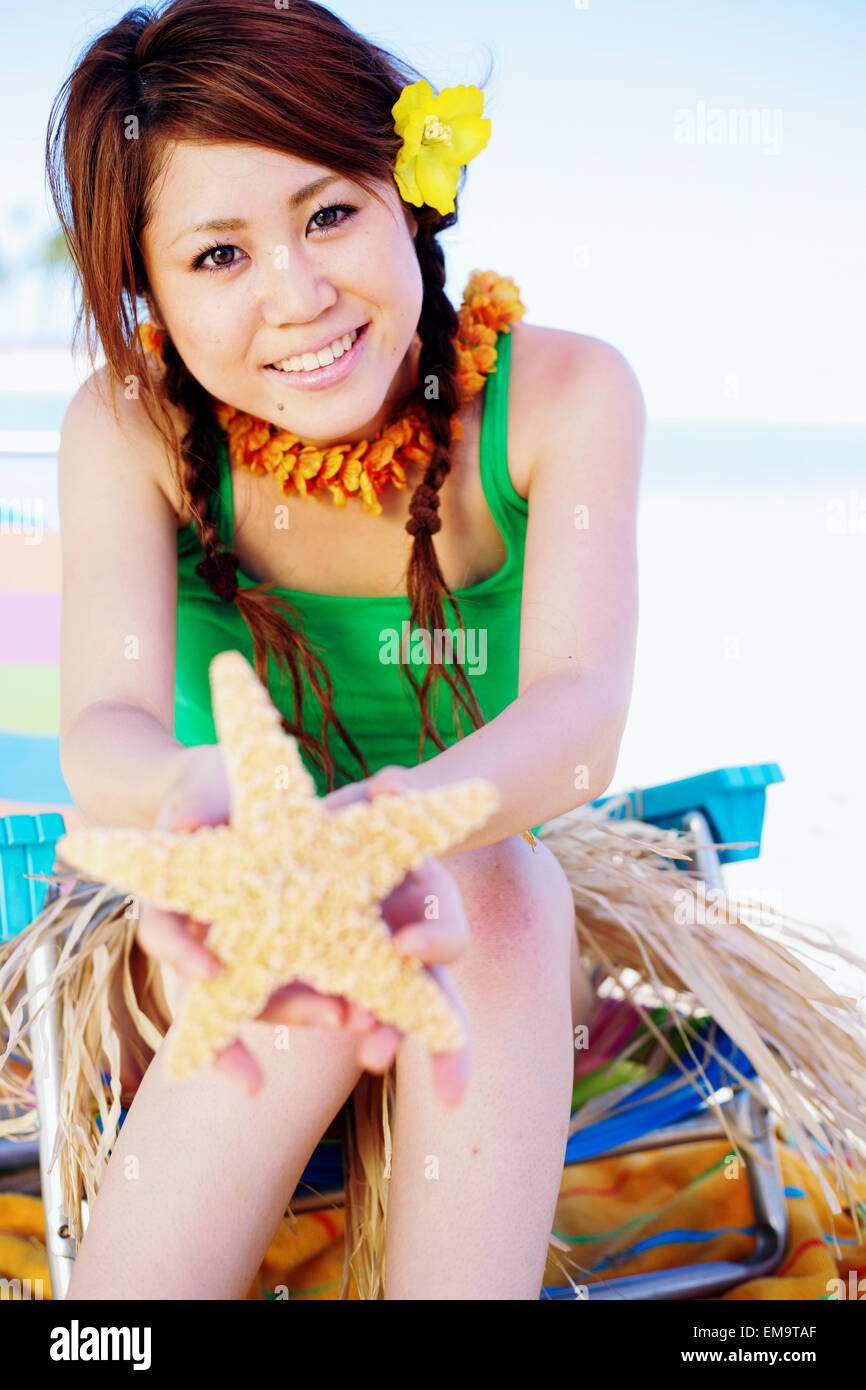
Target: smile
{"points": [[324, 368]]}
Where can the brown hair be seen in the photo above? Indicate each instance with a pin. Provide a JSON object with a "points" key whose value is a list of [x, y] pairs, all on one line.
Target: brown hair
{"points": [[300, 81]]}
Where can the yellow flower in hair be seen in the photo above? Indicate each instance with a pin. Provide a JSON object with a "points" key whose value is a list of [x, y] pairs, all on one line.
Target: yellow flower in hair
{"points": [[440, 135]]}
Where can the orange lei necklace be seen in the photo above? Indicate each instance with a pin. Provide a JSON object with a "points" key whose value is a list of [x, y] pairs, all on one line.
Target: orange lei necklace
{"points": [[490, 303]]}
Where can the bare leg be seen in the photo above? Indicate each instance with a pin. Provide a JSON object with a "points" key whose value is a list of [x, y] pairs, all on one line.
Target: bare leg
{"points": [[473, 1187], [584, 1000], [201, 1173]]}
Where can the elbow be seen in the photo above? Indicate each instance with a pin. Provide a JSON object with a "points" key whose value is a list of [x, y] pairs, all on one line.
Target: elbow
{"points": [[591, 782], [592, 779], [609, 752]]}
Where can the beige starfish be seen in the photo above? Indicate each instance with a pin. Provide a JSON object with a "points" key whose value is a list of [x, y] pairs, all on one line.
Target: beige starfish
{"points": [[291, 889]]}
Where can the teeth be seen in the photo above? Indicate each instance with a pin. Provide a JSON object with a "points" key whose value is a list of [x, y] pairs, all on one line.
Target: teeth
{"points": [[310, 361]]}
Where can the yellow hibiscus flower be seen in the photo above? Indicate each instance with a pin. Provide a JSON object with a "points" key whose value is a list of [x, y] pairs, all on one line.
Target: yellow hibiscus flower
{"points": [[440, 135]]}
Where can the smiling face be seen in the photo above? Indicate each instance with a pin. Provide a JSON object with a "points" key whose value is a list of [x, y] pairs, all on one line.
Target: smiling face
{"points": [[291, 268]]}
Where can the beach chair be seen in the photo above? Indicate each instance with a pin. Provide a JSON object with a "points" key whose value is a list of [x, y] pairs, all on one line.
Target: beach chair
{"points": [[725, 806]]}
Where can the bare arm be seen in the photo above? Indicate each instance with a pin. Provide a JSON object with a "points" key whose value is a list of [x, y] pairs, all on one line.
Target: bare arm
{"points": [[125, 765], [118, 630], [556, 746]]}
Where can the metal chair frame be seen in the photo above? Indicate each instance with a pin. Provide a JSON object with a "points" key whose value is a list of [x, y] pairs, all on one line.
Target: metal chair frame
{"points": [[704, 1280]]}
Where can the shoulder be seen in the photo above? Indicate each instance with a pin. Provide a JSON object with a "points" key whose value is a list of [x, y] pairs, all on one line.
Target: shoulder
{"points": [[103, 414], [564, 385]]}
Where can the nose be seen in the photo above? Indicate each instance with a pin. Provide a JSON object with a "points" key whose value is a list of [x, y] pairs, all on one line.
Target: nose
{"points": [[289, 288]]}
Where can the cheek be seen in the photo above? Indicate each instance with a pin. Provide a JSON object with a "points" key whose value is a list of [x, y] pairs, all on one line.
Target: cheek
{"points": [[391, 274], [217, 333], [405, 293]]}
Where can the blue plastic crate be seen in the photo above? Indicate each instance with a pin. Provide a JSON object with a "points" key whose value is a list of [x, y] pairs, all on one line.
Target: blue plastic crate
{"points": [[733, 799], [26, 847]]}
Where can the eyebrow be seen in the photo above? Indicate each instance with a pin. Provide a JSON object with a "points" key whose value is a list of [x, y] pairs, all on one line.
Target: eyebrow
{"points": [[237, 224]]}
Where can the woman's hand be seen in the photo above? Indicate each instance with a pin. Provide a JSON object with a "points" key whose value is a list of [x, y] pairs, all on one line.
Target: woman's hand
{"points": [[433, 940], [201, 796]]}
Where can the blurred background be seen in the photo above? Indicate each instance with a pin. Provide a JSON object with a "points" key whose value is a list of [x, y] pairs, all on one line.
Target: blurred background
{"points": [[685, 182]]}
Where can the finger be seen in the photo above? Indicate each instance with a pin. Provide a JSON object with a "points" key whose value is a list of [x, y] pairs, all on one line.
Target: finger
{"points": [[299, 1003], [410, 897], [333, 1010], [360, 1019], [165, 934], [341, 797], [442, 975], [237, 1062], [432, 942], [389, 781], [428, 894], [171, 818], [196, 929], [377, 1050], [451, 1075], [451, 1069]]}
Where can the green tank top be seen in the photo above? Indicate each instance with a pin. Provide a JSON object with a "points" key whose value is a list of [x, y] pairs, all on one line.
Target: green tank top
{"points": [[362, 640]]}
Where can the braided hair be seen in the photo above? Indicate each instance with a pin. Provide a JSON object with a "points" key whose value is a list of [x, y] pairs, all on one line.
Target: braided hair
{"points": [[425, 583], [259, 608]]}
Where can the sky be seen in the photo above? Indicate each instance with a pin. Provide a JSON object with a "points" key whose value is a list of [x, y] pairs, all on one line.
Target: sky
{"points": [[619, 188]]}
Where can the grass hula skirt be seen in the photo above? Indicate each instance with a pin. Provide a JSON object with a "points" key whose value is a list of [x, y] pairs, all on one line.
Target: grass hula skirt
{"points": [[639, 922]]}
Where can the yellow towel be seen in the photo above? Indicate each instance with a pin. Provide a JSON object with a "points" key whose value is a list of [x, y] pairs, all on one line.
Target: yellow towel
{"points": [[615, 1216], [691, 1204]]}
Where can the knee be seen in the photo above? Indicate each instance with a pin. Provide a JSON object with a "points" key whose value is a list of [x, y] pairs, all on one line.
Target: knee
{"points": [[518, 904]]}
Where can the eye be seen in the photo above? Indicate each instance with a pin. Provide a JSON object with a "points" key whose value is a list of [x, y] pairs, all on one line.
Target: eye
{"points": [[198, 263], [335, 207]]}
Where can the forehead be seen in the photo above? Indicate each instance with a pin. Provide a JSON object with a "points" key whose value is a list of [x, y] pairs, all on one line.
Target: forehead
{"points": [[187, 161], [197, 181]]}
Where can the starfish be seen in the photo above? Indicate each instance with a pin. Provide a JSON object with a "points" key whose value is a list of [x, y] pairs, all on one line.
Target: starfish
{"points": [[290, 888]]}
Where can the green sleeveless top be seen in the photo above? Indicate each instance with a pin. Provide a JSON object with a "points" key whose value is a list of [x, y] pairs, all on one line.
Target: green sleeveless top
{"points": [[363, 640]]}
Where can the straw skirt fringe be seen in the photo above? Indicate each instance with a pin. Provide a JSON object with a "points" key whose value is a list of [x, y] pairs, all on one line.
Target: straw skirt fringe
{"points": [[639, 917]]}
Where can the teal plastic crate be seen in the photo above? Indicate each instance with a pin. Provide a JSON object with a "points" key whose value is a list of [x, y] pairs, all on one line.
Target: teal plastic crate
{"points": [[733, 799], [26, 847]]}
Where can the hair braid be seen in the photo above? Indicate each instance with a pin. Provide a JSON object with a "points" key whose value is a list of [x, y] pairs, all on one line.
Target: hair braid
{"points": [[425, 583], [257, 605]]}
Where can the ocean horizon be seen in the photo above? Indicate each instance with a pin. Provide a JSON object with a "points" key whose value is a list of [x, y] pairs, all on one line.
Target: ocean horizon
{"points": [[686, 454]]}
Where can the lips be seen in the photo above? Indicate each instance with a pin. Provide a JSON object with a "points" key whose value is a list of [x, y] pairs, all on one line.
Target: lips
{"points": [[287, 357], [323, 378]]}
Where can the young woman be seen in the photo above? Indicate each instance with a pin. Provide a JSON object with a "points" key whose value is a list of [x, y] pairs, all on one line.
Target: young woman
{"points": [[239, 169]]}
